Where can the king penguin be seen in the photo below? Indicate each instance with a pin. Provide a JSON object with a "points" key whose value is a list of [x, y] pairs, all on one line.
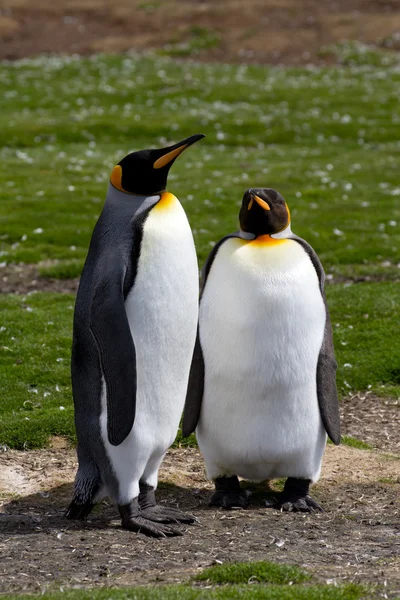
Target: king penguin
{"points": [[262, 388], [134, 331]]}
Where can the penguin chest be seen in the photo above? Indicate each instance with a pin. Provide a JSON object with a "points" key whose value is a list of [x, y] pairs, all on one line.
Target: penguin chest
{"points": [[162, 310], [262, 320]]}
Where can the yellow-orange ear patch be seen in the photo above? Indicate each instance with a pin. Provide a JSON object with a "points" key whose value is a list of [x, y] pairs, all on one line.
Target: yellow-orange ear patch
{"points": [[250, 204], [116, 178], [166, 158]]}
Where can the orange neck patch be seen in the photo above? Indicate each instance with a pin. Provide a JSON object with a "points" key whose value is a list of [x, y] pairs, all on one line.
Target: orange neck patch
{"points": [[266, 240], [165, 202]]}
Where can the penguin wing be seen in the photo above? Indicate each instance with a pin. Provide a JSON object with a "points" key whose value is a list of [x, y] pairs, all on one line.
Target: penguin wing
{"points": [[327, 365], [194, 396], [110, 329]]}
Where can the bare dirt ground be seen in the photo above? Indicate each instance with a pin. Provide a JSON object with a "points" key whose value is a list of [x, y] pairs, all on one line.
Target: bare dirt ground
{"points": [[357, 538], [263, 31], [25, 279]]}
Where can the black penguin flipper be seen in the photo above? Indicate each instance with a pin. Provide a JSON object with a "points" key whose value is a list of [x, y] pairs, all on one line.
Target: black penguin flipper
{"points": [[194, 396], [195, 391], [326, 368], [109, 327]]}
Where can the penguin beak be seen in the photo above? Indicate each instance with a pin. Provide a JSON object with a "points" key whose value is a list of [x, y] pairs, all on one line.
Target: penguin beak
{"points": [[259, 201], [170, 153]]}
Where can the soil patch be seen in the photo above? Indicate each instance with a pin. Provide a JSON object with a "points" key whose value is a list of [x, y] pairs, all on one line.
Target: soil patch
{"points": [[270, 31], [357, 538], [25, 279], [372, 420]]}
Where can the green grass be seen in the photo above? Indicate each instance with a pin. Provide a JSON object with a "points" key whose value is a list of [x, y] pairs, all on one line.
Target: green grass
{"points": [[231, 592], [256, 572], [353, 53], [353, 442], [66, 269], [366, 325], [35, 345], [327, 139]]}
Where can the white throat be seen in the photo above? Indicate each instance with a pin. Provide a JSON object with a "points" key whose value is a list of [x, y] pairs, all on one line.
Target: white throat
{"points": [[285, 233]]}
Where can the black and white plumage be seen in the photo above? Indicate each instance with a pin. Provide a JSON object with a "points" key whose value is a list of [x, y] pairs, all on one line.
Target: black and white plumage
{"points": [[134, 331], [262, 393]]}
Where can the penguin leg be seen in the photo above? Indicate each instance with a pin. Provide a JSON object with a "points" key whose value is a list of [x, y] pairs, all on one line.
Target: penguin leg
{"points": [[157, 513], [133, 519], [295, 497], [228, 493], [88, 485]]}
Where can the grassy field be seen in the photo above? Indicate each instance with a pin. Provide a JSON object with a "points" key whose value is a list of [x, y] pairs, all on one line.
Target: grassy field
{"points": [[327, 139]]}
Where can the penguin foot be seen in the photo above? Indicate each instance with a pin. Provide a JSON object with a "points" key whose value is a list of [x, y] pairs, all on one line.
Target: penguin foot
{"points": [[303, 504], [295, 497], [157, 513], [133, 518], [228, 493], [149, 528], [161, 514]]}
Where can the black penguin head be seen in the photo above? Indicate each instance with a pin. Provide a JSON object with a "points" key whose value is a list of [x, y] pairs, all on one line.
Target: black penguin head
{"points": [[146, 172], [263, 211]]}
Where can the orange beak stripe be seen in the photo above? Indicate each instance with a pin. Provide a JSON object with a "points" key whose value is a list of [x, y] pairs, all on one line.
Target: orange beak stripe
{"points": [[164, 160], [261, 202]]}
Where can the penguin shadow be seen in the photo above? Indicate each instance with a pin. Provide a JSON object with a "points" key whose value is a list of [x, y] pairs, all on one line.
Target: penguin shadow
{"points": [[45, 510]]}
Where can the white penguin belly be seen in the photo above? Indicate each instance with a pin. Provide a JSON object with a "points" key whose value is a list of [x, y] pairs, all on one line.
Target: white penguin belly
{"points": [[262, 320], [162, 310]]}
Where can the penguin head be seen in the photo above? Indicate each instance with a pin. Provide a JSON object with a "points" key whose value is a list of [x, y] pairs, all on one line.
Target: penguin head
{"points": [[263, 211], [146, 172]]}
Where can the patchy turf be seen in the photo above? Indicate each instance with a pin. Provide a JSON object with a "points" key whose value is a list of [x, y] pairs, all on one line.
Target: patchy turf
{"points": [[256, 572]]}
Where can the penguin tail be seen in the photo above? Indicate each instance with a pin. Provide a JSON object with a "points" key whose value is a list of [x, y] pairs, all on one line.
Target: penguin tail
{"points": [[79, 511], [87, 487]]}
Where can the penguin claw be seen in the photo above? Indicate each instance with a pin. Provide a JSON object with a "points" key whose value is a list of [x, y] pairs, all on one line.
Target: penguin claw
{"points": [[302, 504], [160, 514], [149, 528]]}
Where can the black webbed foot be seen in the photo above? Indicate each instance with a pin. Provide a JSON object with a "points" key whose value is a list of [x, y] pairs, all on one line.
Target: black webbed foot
{"points": [[228, 493], [133, 519], [164, 514], [304, 504], [295, 497]]}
